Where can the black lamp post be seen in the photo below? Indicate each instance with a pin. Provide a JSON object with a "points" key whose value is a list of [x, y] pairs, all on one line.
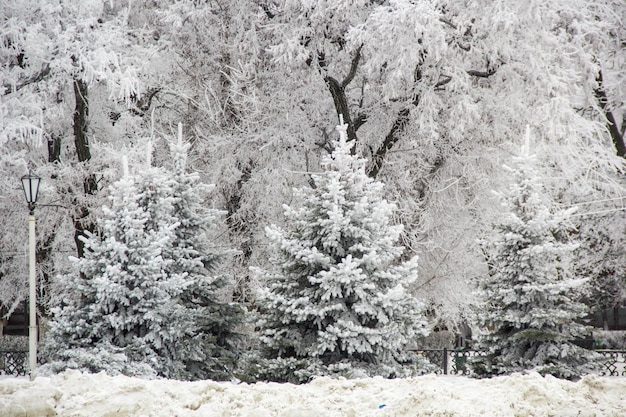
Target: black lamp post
{"points": [[30, 184]]}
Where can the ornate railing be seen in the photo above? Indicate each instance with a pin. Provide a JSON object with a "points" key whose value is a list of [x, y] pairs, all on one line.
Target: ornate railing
{"points": [[454, 362], [450, 361], [13, 362], [614, 362], [13, 355]]}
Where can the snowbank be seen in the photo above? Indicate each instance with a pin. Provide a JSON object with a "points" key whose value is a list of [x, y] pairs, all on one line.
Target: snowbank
{"points": [[75, 394]]}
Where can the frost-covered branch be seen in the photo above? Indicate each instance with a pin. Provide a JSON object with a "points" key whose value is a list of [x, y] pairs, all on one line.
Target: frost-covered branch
{"points": [[35, 78], [353, 67], [390, 140], [338, 91], [143, 104], [266, 9], [482, 74]]}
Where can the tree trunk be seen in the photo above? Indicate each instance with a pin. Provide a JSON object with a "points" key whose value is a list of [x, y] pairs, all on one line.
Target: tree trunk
{"points": [[54, 149], [397, 128], [239, 230], [43, 256], [81, 114], [616, 135], [605, 319], [338, 93], [82, 222]]}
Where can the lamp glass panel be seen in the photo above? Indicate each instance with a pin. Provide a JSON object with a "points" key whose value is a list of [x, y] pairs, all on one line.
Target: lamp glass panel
{"points": [[30, 184]]}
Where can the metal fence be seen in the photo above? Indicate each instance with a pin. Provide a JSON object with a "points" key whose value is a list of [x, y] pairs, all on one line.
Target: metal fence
{"points": [[454, 361], [614, 362], [13, 362], [448, 361]]}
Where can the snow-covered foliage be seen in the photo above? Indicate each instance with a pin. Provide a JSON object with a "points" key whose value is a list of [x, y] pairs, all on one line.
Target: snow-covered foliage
{"points": [[116, 313], [145, 301], [601, 255], [532, 300], [337, 302], [46, 48], [433, 92]]}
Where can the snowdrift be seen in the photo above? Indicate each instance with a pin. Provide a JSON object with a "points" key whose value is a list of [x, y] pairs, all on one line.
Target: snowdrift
{"points": [[75, 394]]}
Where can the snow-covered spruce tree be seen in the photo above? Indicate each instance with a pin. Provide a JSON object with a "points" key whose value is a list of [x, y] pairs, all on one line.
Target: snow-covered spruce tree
{"points": [[117, 312], [337, 303], [532, 303], [193, 254], [147, 302]]}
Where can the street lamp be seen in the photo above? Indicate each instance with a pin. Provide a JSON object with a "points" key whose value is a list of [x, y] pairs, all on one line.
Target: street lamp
{"points": [[30, 184]]}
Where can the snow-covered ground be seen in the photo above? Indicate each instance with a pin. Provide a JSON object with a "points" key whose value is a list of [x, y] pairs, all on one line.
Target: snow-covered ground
{"points": [[75, 394]]}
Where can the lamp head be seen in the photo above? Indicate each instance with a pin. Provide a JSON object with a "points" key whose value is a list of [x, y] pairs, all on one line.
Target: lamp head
{"points": [[30, 185]]}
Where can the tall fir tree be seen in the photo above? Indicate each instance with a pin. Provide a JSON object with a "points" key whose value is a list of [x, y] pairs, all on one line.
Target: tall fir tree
{"points": [[337, 303], [532, 302], [148, 303], [217, 339], [117, 311]]}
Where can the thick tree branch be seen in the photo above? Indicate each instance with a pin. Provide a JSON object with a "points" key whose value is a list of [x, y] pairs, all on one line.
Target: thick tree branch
{"points": [[616, 135], [353, 68], [360, 121], [143, 104], [392, 137], [482, 74], [467, 33], [35, 78], [341, 104], [445, 79], [338, 91]]}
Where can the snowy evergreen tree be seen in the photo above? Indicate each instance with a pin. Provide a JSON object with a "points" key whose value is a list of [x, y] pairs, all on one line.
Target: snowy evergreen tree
{"points": [[338, 302], [118, 315], [211, 352], [532, 302], [148, 303]]}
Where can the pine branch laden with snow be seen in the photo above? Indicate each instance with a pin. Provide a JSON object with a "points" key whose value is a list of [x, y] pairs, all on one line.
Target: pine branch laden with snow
{"points": [[338, 297], [146, 301], [532, 301]]}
